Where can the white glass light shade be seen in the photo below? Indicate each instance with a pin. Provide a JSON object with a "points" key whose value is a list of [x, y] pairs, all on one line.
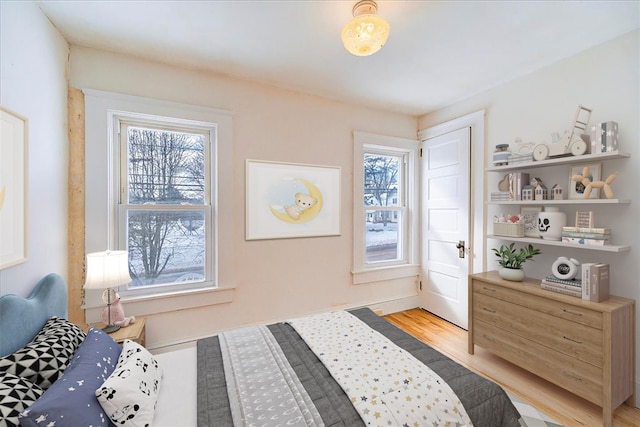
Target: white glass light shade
{"points": [[366, 33], [107, 269]]}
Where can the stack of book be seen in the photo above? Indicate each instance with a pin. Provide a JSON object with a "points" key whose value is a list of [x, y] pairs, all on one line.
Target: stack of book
{"points": [[587, 236], [517, 181], [593, 285], [500, 196], [568, 287]]}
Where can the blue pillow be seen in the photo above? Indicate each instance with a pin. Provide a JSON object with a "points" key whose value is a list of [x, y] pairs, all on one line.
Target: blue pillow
{"points": [[71, 400]]}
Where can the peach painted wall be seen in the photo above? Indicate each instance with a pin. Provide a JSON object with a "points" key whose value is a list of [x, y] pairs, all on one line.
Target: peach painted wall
{"points": [[273, 279]]}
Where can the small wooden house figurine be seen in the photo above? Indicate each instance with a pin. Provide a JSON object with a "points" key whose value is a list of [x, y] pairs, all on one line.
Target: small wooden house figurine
{"points": [[527, 192], [535, 181], [541, 192], [556, 192]]}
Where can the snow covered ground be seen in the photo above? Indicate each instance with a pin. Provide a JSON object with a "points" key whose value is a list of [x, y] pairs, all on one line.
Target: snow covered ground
{"points": [[378, 234]]}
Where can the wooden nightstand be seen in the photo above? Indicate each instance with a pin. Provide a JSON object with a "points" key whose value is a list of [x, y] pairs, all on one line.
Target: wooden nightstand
{"points": [[134, 331]]}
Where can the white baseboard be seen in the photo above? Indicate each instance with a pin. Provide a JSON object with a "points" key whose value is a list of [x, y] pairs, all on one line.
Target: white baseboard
{"points": [[396, 305]]}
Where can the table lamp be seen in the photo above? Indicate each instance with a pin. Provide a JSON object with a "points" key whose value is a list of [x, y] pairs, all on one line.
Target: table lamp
{"points": [[107, 270]]}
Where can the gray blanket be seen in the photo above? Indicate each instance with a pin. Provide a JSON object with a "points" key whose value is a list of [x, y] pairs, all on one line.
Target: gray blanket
{"points": [[262, 386], [485, 402]]}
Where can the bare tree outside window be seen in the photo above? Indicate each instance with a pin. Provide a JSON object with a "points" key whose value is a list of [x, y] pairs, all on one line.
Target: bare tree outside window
{"points": [[383, 213], [166, 188]]}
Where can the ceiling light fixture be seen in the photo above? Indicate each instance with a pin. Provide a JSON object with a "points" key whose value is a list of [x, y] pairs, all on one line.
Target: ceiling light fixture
{"points": [[366, 33]]}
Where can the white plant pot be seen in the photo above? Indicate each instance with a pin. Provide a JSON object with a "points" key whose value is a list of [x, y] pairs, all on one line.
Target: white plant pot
{"points": [[512, 274], [550, 223]]}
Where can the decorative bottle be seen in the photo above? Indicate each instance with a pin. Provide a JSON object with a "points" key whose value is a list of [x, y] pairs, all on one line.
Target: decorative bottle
{"points": [[501, 155]]}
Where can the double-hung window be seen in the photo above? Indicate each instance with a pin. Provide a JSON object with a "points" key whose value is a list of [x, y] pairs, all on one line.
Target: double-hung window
{"points": [[153, 188], [385, 212], [165, 203], [385, 206]]}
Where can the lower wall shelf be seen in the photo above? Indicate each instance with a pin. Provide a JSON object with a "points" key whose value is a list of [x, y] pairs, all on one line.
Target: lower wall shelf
{"points": [[538, 241]]}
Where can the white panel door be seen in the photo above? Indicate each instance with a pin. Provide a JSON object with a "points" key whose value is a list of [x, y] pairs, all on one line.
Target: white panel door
{"points": [[445, 222]]}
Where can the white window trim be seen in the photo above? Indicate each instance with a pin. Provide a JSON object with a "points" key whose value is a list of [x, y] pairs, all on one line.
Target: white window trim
{"points": [[116, 120], [100, 209], [361, 271]]}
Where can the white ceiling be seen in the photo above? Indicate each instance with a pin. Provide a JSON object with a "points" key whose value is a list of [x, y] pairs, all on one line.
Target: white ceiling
{"points": [[438, 52]]}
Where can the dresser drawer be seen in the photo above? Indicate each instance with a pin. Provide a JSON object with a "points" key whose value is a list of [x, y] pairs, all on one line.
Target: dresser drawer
{"points": [[574, 340], [575, 313], [581, 378]]}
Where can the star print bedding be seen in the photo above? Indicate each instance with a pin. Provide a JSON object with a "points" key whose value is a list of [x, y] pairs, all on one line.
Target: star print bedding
{"points": [[356, 368], [387, 385]]}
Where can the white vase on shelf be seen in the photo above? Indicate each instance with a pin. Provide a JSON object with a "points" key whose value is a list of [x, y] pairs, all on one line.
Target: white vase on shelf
{"points": [[550, 223]]}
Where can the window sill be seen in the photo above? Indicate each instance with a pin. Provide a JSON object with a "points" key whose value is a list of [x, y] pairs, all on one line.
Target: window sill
{"points": [[145, 305], [385, 273]]}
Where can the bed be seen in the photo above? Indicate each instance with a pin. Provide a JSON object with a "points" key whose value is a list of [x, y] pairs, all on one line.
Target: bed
{"points": [[207, 384]]}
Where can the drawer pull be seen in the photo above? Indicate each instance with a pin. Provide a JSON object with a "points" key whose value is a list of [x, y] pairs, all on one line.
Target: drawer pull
{"points": [[571, 312], [569, 374], [488, 289], [572, 340], [488, 309]]}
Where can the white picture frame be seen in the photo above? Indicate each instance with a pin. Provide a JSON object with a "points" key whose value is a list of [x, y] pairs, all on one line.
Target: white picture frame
{"points": [[529, 217], [576, 189], [288, 200], [13, 187]]}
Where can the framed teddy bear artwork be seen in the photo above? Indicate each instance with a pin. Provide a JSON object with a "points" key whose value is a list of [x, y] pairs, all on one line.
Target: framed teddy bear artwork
{"points": [[288, 200]]}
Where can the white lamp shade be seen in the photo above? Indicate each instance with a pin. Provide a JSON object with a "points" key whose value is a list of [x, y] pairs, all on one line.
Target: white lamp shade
{"points": [[107, 269]]}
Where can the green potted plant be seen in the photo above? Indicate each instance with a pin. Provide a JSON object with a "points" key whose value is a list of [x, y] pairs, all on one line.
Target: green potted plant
{"points": [[511, 260]]}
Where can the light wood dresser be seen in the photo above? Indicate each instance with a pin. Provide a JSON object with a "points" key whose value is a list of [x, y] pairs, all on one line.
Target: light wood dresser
{"points": [[585, 347]]}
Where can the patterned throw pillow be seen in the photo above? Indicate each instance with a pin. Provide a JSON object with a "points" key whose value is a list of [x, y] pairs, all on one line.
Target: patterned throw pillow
{"points": [[45, 358], [130, 394], [71, 401], [16, 395]]}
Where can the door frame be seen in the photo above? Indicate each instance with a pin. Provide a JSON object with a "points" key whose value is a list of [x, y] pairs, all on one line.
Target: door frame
{"points": [[477, 224]]}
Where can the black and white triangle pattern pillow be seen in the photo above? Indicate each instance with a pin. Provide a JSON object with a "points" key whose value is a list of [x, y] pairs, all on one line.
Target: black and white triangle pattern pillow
{"points": [[44, 359], [16, 395]]}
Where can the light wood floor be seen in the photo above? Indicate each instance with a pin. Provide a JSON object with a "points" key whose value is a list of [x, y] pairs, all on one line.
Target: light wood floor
{"points": [[557, 403]]}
